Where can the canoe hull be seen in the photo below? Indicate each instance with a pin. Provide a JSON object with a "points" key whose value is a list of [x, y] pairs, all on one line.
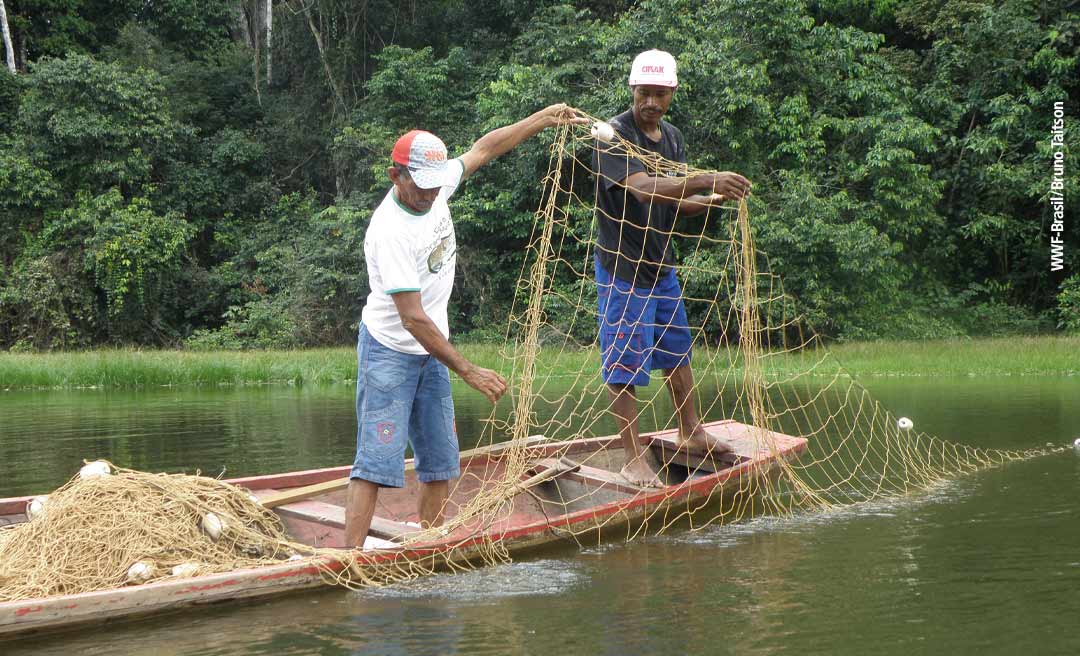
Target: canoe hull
{"points": [[606, 508]]}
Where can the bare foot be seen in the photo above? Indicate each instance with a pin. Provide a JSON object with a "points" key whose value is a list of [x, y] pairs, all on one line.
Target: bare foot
{"points": [[638, 472], [702, 440]]}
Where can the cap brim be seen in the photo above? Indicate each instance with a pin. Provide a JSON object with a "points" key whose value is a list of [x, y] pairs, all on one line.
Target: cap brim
{"points": [[652, 83], [431, 178]]}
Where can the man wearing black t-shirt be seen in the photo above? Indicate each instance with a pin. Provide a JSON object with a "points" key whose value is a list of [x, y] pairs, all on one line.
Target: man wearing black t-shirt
{"points": [[642, 319]]}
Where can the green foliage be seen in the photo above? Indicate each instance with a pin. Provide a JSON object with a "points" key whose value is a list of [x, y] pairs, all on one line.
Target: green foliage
{"points": [[132, 252], [42, 305], [10, 89], [94, 125], [1068, 305], [156, 189], [55, 28], [988, 81], [261, 324], [294, 278]]}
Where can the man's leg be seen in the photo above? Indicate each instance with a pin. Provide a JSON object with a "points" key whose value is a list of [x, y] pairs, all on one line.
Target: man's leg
{"points": [[433, 497], [680, 381], [624, 405], [625, 321], [434, 441], [674, 344], [359, 509], [384, 377]]}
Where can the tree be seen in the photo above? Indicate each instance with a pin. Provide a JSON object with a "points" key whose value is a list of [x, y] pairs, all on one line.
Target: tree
{"points": [[9, 49]]}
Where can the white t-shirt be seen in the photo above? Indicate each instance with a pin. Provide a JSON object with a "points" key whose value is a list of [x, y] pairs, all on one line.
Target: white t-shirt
{"points": [[410, 252]]}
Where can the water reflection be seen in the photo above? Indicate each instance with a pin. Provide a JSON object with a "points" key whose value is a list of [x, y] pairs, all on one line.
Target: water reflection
{"points": [[982, 564]]}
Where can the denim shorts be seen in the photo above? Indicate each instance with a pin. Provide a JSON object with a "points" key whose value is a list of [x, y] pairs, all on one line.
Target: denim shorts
{"points": [[641, 329], [402, 399]]}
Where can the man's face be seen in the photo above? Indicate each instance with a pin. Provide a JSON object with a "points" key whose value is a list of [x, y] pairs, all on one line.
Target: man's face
{"points": [[415, 198], [652, 102]]}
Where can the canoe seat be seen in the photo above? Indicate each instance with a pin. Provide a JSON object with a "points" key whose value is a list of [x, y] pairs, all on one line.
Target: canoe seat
{"points": [[334, 515], [556, 467], [584, 474], [668, 450]]}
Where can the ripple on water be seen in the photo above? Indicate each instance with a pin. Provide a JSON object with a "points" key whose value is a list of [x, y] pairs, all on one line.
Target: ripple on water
{"points": [[808, 521], [531, 578]]}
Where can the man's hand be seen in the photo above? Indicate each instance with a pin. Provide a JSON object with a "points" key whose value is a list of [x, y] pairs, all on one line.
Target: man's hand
{"points": [[485, 381], [730, 185], [560, 113]]}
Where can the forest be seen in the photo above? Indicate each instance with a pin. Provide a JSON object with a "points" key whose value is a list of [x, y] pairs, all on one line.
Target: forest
{"points": [[200, 174]]}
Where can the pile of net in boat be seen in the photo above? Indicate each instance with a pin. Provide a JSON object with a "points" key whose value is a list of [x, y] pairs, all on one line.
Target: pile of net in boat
{"points": [[105, 530]]}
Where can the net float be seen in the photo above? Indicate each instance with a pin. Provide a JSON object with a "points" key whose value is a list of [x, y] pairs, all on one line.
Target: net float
{"points": [[213, 526], [96, 469], [141, 572]]}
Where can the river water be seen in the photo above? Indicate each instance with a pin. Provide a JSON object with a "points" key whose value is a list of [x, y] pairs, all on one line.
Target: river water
{"points": [[987, 563]]}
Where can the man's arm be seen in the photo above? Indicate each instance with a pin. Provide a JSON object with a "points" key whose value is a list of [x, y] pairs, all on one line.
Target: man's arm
{"points": [[647, 188], [420, 325], [699, 204], [506, 138]]}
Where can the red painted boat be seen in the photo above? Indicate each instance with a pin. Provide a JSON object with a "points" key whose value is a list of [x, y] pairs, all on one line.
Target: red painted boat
{"points": [[574, 491]]}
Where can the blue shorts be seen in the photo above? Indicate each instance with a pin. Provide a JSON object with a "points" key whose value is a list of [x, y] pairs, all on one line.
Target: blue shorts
{"points": [[402, 399], [641, 329]]}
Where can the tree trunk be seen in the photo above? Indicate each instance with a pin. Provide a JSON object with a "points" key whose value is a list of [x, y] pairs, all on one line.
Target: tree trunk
{"points": [[322, 56], [255, 33], [9, 47], [269, 37], [240, 20]]}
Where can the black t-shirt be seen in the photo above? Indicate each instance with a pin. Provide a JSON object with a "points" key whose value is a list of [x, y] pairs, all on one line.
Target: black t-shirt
{"points": [[633, 236]]}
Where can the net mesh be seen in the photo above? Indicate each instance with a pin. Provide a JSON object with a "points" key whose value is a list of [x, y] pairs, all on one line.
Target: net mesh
{"points": [[754, 361], [755, 365], [88, 534]]}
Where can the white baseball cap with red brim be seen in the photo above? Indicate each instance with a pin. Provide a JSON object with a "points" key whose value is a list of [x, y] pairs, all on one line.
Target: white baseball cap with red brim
{"points": [[424, 155], [654, 67]]}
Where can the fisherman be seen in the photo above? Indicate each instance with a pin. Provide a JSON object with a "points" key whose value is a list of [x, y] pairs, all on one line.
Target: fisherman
{"points": [[403, 352], [642, 319]]}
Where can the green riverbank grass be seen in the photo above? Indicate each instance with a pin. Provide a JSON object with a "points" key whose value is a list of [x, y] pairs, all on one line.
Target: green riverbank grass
{"points": [[138, 368], [1050, 356]]}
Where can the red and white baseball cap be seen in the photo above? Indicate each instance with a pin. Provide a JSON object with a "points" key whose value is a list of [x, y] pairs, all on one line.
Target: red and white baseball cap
{"points": [[424, 155], [654, 67]]}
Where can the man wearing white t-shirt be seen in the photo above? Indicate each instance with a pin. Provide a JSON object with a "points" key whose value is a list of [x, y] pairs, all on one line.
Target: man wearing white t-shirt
{"points": [[403, 353]]}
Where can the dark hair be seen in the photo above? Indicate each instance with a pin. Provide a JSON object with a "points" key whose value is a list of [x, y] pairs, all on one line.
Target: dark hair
{"points": [[401, 168]]}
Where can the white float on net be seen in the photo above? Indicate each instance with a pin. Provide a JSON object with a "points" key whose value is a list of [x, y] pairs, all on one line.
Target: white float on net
{"points": [[141, 572], [95, 469], [602, 131], [213, 526]]}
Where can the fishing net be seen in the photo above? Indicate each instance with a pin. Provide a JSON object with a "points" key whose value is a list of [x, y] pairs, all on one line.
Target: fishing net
{"points": [[127, 527], [808, 436], [756, 363], [88, 534]]}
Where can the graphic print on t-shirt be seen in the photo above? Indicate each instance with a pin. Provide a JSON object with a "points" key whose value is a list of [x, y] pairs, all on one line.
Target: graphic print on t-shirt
{"points": [[444, 250]]}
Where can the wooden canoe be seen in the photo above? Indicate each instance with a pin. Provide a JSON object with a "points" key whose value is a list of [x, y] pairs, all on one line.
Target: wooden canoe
{"points": [[575, 493]]}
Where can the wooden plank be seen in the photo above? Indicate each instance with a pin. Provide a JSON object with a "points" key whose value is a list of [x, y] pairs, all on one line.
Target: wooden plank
{"points": [[334, 515], [610, 480], [547, 469], [559, 465], [669, 453], [299, 494]]}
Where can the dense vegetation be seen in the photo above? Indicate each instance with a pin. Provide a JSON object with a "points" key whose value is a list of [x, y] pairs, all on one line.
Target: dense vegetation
{"points": [[169, 175]]}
